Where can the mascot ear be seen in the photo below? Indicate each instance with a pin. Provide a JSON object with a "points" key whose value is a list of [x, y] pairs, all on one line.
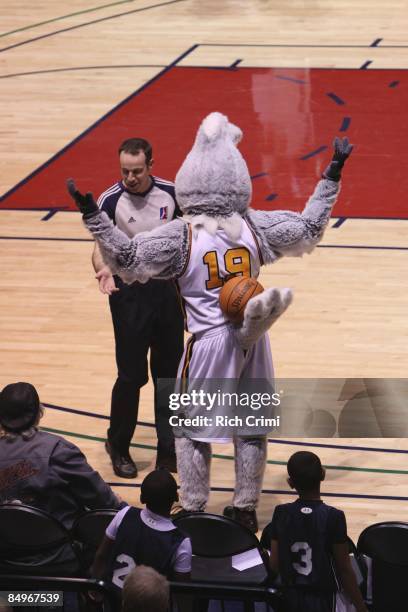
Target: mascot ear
{"points": [[216, 126], [235, 133], [213, 127]]}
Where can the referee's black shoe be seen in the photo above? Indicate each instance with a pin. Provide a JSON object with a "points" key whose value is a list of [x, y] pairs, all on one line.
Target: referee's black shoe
{"points": [[122, 463]]}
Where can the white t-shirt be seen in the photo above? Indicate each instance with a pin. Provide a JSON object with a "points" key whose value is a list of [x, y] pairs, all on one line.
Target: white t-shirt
{"points": [[182, 556]]}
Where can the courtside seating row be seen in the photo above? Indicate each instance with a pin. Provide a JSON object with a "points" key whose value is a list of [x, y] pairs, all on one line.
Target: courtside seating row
{"points": [[29, 538]]}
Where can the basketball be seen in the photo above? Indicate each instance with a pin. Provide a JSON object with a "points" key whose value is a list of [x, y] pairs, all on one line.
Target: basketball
{"points": [[235, 294]]}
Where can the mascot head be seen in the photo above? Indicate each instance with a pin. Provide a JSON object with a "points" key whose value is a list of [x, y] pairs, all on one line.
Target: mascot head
{"points": [[214, 180]]}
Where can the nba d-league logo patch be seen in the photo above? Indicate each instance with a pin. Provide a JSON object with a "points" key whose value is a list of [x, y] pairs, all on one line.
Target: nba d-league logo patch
{"points": [[306, 510], [163, 212]]}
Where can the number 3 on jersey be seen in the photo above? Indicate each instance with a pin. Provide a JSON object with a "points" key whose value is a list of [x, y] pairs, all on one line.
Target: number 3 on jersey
{"points": [[237, 262], [305, 559]]}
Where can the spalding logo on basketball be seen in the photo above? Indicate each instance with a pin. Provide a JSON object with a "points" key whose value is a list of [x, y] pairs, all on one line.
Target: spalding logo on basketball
{"points": [[235, 295]]}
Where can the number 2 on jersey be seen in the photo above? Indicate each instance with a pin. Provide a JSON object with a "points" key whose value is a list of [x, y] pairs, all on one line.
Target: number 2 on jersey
{"points": [[237, 261]]}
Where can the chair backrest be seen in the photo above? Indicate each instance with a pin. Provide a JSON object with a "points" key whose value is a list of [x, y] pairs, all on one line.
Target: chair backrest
{"points": [[386, 545], [89, 528], [31, 540], [88, 531], [216, 536], [24, 529], [386, 542]]}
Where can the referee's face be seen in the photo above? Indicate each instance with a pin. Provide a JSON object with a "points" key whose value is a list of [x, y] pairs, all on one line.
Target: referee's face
{"points": [[135, 171]]}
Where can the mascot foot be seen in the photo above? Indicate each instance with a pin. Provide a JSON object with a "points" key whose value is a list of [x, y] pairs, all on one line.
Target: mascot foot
{"points": [[182, 512], [247, 518], [260, 313]]}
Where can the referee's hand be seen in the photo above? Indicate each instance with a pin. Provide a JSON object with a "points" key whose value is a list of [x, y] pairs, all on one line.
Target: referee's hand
{"points": [[106, 281]]}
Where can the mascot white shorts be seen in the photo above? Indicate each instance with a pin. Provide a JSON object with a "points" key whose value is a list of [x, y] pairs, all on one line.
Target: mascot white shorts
{"points": [[216, 355], [215, 365]]}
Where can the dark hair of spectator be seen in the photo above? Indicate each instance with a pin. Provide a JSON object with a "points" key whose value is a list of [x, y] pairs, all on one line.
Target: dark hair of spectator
{"points": [[145, 590], [305, 471], [159, 491], [20, 408], [135, 145]]}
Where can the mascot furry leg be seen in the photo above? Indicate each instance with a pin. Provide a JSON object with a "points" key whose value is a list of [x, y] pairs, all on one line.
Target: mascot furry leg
{"points": [[193, 466]]}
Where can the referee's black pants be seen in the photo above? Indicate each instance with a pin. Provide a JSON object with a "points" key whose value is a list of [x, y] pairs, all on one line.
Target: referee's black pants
{"points": [[145, 316]]}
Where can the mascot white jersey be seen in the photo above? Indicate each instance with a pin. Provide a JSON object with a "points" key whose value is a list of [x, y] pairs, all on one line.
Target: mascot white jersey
{"points": [[213, 258], [213, 190]]}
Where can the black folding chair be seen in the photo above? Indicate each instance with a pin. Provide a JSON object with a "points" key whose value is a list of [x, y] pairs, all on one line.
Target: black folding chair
{"points": [[88, 531], [215, 540], [32, 541], [386, 544]]}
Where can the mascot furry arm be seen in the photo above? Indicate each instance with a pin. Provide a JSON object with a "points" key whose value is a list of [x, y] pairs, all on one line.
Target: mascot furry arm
{"points": [[213, 190]]}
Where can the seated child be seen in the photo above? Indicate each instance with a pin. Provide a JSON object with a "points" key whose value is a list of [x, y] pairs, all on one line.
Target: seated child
{"points": [[307, 538], [145, 537]]}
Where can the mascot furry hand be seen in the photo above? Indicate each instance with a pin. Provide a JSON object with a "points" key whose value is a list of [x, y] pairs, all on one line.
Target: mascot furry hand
{"points": [[219, 235]]}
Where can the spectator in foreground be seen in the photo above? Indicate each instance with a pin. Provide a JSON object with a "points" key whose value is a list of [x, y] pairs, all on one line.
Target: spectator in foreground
{"points": [[145, 590], [145, 537], [305, 537], [41, 469]]}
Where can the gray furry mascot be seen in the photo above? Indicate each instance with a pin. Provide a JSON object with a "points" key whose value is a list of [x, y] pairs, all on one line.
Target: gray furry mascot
{"points": [[219, 235]]}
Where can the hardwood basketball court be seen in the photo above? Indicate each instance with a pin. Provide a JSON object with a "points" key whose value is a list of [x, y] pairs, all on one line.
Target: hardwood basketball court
{"points": [[292, 75]]}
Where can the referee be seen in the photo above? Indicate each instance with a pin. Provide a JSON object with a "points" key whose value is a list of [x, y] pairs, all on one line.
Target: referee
{"points": [[145, 316]]}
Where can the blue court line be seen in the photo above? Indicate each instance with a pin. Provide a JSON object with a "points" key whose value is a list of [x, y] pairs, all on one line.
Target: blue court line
{"points": [[282, 492], [17, 74], [82, 25], [313, 153], [356, 246], [210, 67], [376, 42], [307, 46], [39, 208], [62, 209], [379, 218], [286, 78], [255, 176], [271, 440], [97, 122], [371, 449], [267, 67], [366, 64], [46, 239], [345, 124], [319, 246], [49, 214], [66, 16], [323, 494], [339, 222], [335, 98], [90, 414]]}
